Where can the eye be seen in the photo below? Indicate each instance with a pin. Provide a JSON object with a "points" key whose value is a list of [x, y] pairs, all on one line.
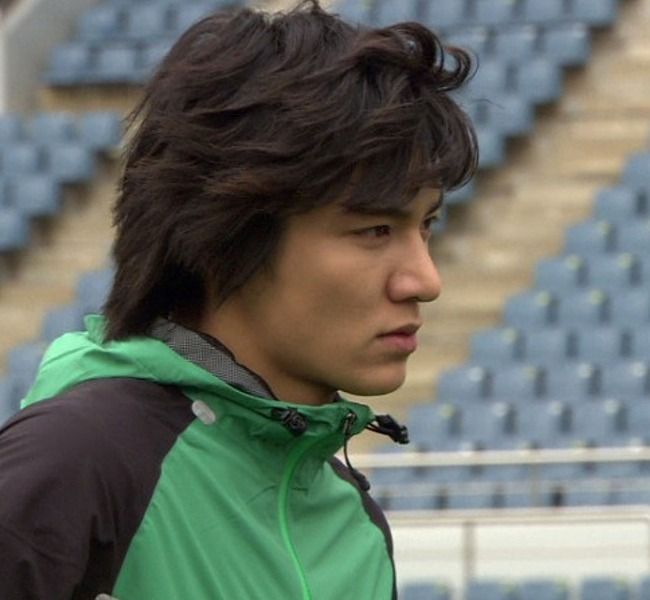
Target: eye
{"points": [[429, 224], [378, 231]]}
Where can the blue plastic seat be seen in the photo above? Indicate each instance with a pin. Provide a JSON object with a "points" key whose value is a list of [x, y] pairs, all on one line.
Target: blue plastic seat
{"points": [[602, 345], [494, 12], [638, 416], [596, 13], [568, 45], [54, 127], [69, 64], [70, 163], [146, 21], [523, 495], [626, 380], [467, 383], [639, 496], [12, 128], [509, 115], [496, 347], [589, 307], [116, 64], [443, 14], [639, 341], [183, 15], [601, 423], [634, 236], [63, 319], [630, 308], [560, 273], [543, 13], [100, 130], [548, 346], [604, 588], [636, 172], [425, 591], [529, 310], [590, 237], [35, 196], [153, 54], [434, 424], [100, 22], [485, 424], [14, 229], [543, 589], [489, 590], [20, 159], [614, 273], [492, 145], [492, 80], [619, 203], [543, 423], [388, 12], [92, 289], [470, 500], [516, 44], [22, 364], [516, 384], [474, 39], [643, 589], [585, 496], [539, 80], [572, 382]]}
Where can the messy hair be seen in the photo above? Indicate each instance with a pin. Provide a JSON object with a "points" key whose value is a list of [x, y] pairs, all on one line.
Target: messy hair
{"points": [[254, 117]]}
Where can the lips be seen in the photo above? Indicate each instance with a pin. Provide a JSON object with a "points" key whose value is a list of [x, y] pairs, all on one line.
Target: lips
{"points": [[403, 338]]}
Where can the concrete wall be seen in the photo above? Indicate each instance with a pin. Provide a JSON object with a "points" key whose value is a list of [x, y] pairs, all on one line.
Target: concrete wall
{"points": [[28, 34]]}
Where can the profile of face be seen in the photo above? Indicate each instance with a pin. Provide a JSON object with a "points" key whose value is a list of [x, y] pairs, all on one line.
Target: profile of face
{"points": [[339, 307]]}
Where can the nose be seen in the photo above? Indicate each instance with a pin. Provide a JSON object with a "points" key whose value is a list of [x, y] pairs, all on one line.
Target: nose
{"points": [[417, 276]]}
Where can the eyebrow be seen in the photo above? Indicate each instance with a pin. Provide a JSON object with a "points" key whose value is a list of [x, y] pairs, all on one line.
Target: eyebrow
{"points": [[395, 212]]}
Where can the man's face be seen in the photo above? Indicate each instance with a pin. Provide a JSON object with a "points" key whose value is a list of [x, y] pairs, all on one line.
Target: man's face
{"points": [[339, 306]]}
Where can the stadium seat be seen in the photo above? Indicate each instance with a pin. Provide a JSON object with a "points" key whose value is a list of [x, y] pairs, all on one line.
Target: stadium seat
{"points": [[636, 172], [434, 424], [53, 127], [548, 346], [626, 380], [61, 320], [35, 196], [21, 158], [494, 12], [600, 423], [489, 590], [614, 273], [496, 347], [100, 22], [643, 589], [152, 55], [638, 416], [596, 13], [445, 14], [604, 588], [631, 308], [543, 13], [100, 131], [485, 424], [12, 128], [9, 399], [70, 64], [425, 591], [517, 383], [492, 147], [14, 229], [22, 364], [516, 43], [619, 203], [543, 589], [602, 345], [509, 115], [70, 163], [183, 15], [634, 236], [474, 39], [467, 383], [543, 424], [589, 307], [539, 80], [585, 496], [146, 21], [92, 289], [492, 80], [529, 310], [572, 382], [388, 12], [589, 237], [116, 63], [560, 273], [568, 45], [476, 500]]}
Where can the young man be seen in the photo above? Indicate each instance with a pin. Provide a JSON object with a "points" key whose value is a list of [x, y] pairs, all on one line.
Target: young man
{"points": [[271, 251]]}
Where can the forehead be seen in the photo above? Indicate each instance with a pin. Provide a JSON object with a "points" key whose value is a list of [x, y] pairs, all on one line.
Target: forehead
{"points": [[427, 200]]}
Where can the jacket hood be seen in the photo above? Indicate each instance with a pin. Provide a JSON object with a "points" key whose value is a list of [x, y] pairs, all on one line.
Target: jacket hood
{"points": [[83, 356]]}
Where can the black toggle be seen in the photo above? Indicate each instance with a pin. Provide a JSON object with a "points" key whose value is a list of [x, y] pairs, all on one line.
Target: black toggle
{"points": [[386, 425], [295, 422]]}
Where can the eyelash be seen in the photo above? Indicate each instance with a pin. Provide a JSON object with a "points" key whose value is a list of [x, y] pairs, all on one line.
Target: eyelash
{"points": [[379, 231]]}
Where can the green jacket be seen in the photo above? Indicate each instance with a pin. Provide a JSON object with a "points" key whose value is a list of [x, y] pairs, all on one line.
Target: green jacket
{"points": [[145, 477]]}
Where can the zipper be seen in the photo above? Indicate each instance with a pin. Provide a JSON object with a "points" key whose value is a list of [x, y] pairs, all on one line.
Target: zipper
{"points": [[293, 460]]}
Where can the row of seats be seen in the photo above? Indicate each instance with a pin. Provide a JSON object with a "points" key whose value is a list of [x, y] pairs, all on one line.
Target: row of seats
{"points": [[552, 346], [517, 424], [454, 13], [527, 383], [589, 588]]}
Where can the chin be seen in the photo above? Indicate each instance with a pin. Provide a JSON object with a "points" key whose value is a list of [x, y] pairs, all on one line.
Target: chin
{"points": [[375, 386]]}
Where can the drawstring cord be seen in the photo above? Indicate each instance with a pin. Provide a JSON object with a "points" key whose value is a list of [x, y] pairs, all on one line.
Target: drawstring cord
{"points": [[385, 425]]}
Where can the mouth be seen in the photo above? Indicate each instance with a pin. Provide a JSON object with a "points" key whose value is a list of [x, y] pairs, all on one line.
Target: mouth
{"points": [[402, 339]]}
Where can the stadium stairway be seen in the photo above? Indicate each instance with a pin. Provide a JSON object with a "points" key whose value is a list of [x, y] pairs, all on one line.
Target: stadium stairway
{"points": [[548, 182]]}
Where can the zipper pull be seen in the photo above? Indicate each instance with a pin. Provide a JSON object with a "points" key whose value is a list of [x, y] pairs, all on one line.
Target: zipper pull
{"points": [[350, 420], [294, 421]]}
